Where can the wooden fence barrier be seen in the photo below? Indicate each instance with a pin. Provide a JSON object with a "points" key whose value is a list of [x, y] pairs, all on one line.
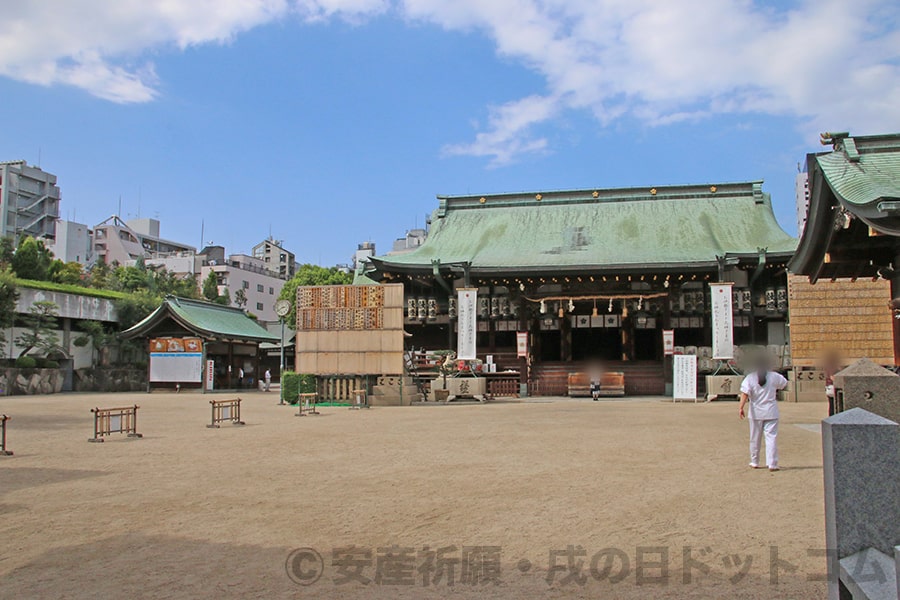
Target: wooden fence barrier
{"points": [[3, 450], [225, 411], [306, 404], [360, 399], [121, 419]]}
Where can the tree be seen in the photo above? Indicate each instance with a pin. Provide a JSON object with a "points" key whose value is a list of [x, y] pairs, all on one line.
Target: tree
{"points": [[98, 275], [224, 299], [240, 298], [310, 275], [7, 250], [41, 329], [96, 335], [32, 259], [70, 272], [211, 287], [8, 297], [135, 307]]}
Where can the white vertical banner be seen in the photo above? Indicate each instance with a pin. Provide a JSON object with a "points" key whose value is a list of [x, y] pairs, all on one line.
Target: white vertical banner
{"points": [[210, 374], [684, 377], [722, 322], [467, 311]]}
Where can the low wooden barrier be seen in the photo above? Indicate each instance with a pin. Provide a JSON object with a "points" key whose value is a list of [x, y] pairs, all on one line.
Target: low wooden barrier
{"points": [[122, 419], [361, 399], [3, 450], [306, 404], [225, 411]]}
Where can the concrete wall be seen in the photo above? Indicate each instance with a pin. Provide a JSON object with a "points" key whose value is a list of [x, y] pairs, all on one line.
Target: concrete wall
{"points": [[71, 306]]}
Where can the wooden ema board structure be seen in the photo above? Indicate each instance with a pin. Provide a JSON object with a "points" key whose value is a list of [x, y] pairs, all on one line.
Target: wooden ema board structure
{"points": [[853, 317], [350, 329]]}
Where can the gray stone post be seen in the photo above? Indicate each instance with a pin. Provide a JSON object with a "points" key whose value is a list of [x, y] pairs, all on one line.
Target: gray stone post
{"points": [[861, 460]]}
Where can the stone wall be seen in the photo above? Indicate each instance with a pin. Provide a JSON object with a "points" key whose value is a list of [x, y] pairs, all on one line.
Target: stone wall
{"points": [[24, 382], [110, 380], [19, 382]]}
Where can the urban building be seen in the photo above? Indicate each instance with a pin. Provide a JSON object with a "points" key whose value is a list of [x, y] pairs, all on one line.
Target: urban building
{"points": [[240, 272], [364, 252], [73, 243], [276, 259], [118, 241], [412, 240], [801, 193], [29, 201]]}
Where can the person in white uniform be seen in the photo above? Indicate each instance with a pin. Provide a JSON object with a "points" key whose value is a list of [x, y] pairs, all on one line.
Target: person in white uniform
{"points": [[759, 389]]}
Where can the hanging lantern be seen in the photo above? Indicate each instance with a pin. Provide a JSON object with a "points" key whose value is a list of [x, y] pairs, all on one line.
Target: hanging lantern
{"points": [[746, 300], [451, 307], [483, 307], [432, 309], [504, 306], [422, 312], [770, 300], [495, 307], [781, 299], [411, 308]]}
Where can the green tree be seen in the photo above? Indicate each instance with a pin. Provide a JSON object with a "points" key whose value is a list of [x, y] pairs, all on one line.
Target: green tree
{"points": [[310, 275], [98, 275], [8, 297], [224, 299], [7, 250], [240, 298], [32, 259], [40, 331], [135, 307], [70, 273], [211, 287], [95, 334], [129, 279]]}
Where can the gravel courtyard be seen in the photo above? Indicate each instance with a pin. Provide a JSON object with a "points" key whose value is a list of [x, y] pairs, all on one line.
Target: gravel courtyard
{"points": [[543, 499]]}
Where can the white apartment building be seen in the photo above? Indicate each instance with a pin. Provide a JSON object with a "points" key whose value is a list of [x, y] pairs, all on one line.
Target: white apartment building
{"points": [[362, 254], [121, 241], [73, 243], [250, 274], [412, 240], [277, 260], [29, 201]]}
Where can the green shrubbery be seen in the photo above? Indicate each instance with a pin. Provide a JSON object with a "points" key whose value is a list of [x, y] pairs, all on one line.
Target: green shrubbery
{"points": [[26, 362], [296, 383]]}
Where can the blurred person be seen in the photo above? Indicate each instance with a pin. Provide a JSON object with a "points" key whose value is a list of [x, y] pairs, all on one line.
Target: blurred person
{"points": [[760, 389], [832, 365]]}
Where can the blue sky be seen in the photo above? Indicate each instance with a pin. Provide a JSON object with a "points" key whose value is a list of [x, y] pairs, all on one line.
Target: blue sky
{"points": [[336, 121]]}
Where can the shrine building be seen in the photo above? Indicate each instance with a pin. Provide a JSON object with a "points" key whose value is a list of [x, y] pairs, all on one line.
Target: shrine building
{"points": [[595, 274]]}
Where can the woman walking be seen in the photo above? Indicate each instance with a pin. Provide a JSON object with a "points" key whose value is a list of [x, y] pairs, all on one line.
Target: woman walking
{"points": [[760, 390]]}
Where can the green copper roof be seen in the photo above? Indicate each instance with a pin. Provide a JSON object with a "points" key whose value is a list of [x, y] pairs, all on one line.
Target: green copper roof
{"points": [[205, 319], [643, 227], [863, 170]]}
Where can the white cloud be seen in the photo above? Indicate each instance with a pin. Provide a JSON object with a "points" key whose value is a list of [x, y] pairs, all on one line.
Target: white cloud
{"points": [[828, 63], [95, 44]]}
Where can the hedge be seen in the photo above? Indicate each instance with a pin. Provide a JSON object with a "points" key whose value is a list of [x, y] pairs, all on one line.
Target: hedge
{"points": [[68, 288], [293, 384]]}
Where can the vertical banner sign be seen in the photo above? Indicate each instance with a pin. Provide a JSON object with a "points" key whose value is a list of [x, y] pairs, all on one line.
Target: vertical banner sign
{"points": [[467, 303], [722, 323], [684, 385], [522, 344], [668, 342], [210, 374]]}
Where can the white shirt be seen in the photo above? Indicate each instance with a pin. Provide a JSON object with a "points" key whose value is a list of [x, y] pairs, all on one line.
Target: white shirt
{"points": [[762, 398]]}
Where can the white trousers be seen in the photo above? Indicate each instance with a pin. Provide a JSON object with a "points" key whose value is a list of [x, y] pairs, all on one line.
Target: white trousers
{"points": [[770, 429]]}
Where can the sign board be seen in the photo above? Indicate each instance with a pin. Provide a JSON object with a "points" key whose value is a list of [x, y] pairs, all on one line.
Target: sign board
{"points": [[176, 367], [521, 344], [684, 383], [467, 306], [210, 374], [668, 342], [722, 323]]}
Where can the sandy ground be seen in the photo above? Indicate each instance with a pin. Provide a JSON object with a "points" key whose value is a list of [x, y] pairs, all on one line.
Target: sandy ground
{"points": [[630, 488]]}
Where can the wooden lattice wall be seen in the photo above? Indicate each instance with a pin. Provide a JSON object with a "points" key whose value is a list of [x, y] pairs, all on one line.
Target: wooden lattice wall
{"points": [[350, 330], [852, 317]]}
